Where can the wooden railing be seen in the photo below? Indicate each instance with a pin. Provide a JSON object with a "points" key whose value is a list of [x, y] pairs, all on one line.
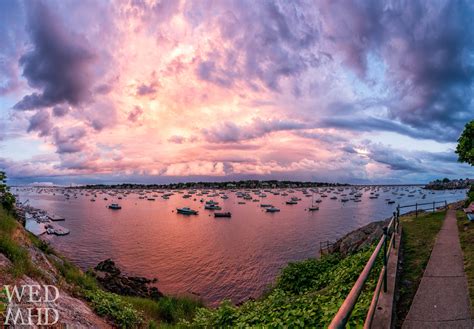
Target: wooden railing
{"points": [[385, 245], [425, 206]]}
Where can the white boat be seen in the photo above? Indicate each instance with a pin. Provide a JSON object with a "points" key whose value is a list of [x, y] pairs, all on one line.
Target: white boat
{"points": [[313, 206], [115, 206]]}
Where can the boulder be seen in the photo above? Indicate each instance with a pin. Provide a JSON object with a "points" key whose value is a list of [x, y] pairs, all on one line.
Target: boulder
{"points": [[360, 238], [111, 279], [108, 266]]}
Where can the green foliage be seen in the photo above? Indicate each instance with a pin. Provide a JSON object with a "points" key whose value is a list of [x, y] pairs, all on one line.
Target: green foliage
{"points": [[465, 147], [7, 200], [166, 309], [3, 302], [12, 249], [113, 306], [41, 245], [307, 294], [466, 237], [470, 196], [309, 274], [73, 275]]}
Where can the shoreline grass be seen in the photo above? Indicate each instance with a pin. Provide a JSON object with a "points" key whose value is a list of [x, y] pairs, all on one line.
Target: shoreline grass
{"points": [[13, 249], [419, 236], [466, 237]]}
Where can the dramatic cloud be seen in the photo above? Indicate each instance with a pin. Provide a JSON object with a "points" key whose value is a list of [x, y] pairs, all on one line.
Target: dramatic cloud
{"points": [[59, 62], [230, 132], [69, 141], [263, 41], [352, 90], [41, 123], [60, 111], [10, 33]]}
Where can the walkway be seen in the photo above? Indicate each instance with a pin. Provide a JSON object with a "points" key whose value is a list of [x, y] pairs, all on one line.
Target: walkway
{"points": [[442, 299]]}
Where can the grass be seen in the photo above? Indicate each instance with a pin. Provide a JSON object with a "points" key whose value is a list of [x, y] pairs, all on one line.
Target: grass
{"points": [[419, 235], [13, 249], [167, 309], [466, 237]]}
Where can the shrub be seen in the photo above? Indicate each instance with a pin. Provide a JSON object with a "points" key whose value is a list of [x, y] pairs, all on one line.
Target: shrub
{"points": [[113, 306], [307, 294]]}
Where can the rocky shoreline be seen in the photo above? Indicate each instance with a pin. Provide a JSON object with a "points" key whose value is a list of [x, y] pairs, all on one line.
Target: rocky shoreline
{"points": [[360, 238], [111, 279]]}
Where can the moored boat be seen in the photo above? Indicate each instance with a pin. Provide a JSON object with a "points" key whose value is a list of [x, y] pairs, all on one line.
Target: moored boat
{"points": [[186, 211], [223, 214], [273, 209]]}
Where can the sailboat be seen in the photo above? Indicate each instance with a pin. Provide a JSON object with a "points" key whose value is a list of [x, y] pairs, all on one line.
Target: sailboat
{"points": [[313, 206]]}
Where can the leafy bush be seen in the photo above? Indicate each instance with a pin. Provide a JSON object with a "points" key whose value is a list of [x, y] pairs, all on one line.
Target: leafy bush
{"points": [[465, 147], [7, 200], [167, 309], [113, 306], [307, 294], [12, 249], [470, 196], [309, 274]]}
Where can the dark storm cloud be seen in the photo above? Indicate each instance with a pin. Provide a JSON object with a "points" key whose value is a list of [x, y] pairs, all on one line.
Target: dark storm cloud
{"points": [[69, 140], [60, 111], [11, 18], [58, 63], [40, 122], [427, 47]]}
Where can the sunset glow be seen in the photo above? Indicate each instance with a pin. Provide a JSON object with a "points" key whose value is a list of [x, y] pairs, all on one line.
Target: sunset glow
{"points": [[163, 91]]}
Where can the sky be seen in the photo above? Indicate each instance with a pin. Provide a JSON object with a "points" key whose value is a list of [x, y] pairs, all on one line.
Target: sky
{"points": [[159, 91]]}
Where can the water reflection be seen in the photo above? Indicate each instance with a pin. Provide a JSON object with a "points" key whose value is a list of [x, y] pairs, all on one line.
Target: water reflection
{"points": [[232, 258]]}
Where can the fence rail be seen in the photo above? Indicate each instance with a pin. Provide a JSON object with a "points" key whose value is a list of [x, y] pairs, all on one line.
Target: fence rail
{"points": [[385, 245], [431, 206]]}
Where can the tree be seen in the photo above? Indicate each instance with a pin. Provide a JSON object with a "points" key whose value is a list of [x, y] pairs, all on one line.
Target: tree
{"points": [[7, 200], [465, 148]]}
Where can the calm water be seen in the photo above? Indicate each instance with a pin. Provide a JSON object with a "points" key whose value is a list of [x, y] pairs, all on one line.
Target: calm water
{"points": [[232, 258]]}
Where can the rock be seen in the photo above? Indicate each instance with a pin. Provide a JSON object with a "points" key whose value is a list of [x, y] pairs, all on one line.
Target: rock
{"points": [[360, 238], [111, 279], [108, 266]]}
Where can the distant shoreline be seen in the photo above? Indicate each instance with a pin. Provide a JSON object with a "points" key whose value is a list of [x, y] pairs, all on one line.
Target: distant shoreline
{"points": [[221, 185]]}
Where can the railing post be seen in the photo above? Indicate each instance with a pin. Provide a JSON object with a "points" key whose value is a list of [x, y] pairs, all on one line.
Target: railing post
{"points": [[398, 217], [445, 204], [395, 228], [385, 237], [433, 206], [416, 210]]}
